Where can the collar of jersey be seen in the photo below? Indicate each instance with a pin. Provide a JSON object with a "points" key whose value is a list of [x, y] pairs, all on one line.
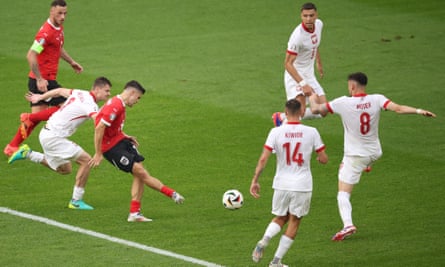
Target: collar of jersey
{"points": [[94, 97], [52, 25], [360, 95], [120, 98], [306, 29]]}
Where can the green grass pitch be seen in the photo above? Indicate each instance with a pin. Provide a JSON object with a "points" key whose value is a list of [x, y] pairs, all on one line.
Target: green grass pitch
{"points": [[215, 71]]}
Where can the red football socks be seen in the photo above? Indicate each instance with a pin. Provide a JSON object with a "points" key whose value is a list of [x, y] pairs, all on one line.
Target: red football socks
{"points": [[167, 191], [43, 115], [135, 206], [17, 139]]}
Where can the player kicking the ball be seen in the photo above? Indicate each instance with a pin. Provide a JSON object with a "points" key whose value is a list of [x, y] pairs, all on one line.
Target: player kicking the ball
{"points": [[360, 114], [121, 149]]}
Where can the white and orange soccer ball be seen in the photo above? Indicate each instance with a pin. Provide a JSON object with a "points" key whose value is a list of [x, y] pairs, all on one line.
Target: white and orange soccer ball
{"points": [[232, 199]]}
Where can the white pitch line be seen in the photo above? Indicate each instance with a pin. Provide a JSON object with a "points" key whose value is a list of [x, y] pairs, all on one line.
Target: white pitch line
{"points": [[109, 238]]}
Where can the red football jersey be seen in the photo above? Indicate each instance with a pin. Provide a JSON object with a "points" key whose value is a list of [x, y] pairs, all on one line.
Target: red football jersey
{"points": [[112, 115], [51, 39]]}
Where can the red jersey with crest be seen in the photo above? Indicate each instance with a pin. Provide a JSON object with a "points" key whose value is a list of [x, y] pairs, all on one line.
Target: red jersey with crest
{"points": [[51, 39], [112, 115]]}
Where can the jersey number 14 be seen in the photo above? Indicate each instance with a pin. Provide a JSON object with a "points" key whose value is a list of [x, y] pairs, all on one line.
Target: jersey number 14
{"points": [[295, 156]]}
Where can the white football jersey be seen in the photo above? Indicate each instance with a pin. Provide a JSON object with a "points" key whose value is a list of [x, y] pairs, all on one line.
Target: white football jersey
{"points": [[360, 115], [78, 107], [293, 144], [305, 44]]}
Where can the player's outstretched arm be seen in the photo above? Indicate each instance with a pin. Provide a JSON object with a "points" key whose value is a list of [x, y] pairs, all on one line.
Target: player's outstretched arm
{"points": [[317, 108], [403, 109], [34, 98]]}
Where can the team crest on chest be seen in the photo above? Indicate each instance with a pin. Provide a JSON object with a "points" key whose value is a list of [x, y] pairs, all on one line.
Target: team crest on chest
{"points": [[314, 39]]}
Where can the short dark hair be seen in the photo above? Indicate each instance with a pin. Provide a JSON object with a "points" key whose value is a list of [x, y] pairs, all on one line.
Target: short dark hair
{"points": [[101, 81], [359, 77], [293, 106], [136, 85], [308, 6], [58, 3]]}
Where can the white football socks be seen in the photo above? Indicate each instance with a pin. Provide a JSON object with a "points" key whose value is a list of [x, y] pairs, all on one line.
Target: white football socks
{"points": [[36, 157], [345, 207], [283, 247], [272, 230], [78, 193]]}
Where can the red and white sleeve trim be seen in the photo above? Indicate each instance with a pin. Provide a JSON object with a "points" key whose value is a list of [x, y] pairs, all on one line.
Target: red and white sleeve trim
{"points": [[268, 148], [292, 53], [320, 149]]}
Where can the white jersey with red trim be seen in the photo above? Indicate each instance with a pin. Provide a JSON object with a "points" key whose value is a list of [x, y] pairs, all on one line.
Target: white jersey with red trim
{"points": [[304, 45], [78, 107], [360, 115], [293, 144]]}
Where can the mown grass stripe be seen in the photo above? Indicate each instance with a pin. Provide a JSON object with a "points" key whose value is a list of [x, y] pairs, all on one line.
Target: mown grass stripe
{"points": [[107, 237]]}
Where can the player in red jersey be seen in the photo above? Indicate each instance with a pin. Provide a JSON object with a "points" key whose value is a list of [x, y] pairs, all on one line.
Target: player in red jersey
{"points": [[121, 150], [43, 58]]}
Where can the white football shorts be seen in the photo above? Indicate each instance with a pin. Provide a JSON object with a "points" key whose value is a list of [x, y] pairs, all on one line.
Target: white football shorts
{"points": [[352, 167], [58, 150], [293, 89], [295, 203]]}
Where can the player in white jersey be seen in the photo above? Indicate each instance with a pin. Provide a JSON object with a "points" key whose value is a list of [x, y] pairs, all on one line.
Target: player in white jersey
{"points": [[293, 144], [301, 55], [360, 114], [59, 151]]}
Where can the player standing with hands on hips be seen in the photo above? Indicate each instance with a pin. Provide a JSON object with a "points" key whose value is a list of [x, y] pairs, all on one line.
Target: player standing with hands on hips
{"points": [[43, 58], [301, 56], [360, 114], [121, 150], [292, 184]]}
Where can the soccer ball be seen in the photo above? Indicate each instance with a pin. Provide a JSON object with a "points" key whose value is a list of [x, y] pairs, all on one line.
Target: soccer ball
{"points": [[232, 199]]}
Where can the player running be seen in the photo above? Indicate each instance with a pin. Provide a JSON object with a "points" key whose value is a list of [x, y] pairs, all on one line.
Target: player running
{"points": [[58, 150], [292, 184]]}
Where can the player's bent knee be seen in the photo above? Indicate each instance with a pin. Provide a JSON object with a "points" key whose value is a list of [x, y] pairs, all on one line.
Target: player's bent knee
{"points": [[65, 169], [84, 158]]}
